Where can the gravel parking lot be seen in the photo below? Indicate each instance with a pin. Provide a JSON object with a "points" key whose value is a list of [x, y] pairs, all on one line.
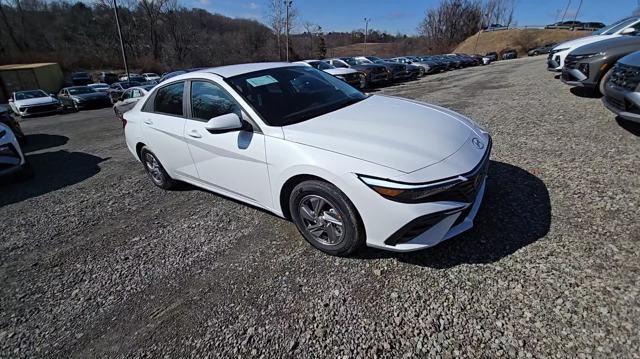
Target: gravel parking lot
{"points": [[97, 262]]}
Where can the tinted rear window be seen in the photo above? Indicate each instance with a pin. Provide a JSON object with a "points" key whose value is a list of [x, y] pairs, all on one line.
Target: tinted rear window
{"points": [[168, 99]]}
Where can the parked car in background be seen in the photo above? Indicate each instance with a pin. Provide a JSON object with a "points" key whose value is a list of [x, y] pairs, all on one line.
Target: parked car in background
{"points": [[409, 61], [81, 78], [352, 77], [100, 87], [593, 26], [493, 56], [622, 90], [398, 71], [589, 66], [399, 174], [12, 160], [117, 89], [33, 102], [374, 74], [107, 77], [436, 65], [129, 98], [7, 119], [545, 49], [494, 27], [150, 76], [509, 54], [150, 83], [83, 97], [626, 26], [566, 25]]}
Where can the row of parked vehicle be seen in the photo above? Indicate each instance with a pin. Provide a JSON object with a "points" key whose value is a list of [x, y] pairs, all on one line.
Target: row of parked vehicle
{"points": [[607, 63]]}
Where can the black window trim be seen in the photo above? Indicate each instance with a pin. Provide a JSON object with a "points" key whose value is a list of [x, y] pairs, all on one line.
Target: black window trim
{"points": [[248, 119]]}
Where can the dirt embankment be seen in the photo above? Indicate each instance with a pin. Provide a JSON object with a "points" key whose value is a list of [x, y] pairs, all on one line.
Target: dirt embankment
{"points": [[521, 40]]}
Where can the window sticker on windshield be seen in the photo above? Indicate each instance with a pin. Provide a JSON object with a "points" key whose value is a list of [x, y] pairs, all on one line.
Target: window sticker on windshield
{"points": [[262, 81]]}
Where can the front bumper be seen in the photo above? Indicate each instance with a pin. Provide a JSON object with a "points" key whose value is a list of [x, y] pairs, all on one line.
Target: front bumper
{"points": [[623, 103], [11, 158], [25, 111], [573, 77], [98, 103], [402, 227]]}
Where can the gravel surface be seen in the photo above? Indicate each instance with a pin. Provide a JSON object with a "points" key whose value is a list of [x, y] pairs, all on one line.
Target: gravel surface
{"points": [[97, 262]]}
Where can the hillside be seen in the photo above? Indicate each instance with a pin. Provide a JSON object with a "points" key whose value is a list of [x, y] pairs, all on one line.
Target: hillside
{"points": [[373, 49], [521, 40]]}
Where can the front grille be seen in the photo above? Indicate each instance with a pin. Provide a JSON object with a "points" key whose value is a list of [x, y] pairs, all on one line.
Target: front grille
{"points": [[625, 76], [352, 77], [41, 108]]}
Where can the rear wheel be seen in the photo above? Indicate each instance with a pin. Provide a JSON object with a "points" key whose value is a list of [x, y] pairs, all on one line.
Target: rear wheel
{"points": [[326, 218], [154, 168]]}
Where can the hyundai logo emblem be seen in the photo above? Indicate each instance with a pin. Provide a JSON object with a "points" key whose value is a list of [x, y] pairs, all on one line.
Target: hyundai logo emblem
{"points": [[477, 143]]}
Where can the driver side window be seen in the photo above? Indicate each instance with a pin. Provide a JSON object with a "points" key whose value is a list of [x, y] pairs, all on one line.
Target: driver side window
{"points": [[208, 100]]}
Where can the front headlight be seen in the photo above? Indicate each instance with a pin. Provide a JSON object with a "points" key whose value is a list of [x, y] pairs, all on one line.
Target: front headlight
{"points": [[588, 56], [76, 99], [560, 50], [409, 193]]}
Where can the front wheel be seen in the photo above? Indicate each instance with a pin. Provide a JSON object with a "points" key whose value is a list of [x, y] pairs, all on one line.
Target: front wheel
{"points": [[326, 218], [603, 82], [154, 169]]}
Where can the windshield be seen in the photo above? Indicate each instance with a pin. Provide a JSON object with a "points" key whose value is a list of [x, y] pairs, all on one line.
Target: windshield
{"points": [[99, 86], [375, 59], [321, 65], [25, 95], [350, 60], [80, 90], [288, 95], [615, 27]]}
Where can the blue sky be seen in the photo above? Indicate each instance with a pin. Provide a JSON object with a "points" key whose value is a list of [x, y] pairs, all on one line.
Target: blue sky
{"points": [[404, 15]]}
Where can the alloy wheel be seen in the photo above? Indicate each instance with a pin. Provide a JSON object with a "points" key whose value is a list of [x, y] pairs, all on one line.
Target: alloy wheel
{"points": [[153, 167], [321, 220]]}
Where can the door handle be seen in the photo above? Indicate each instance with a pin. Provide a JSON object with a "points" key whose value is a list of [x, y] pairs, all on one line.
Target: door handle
{"points": [[195, 134], [148, 122]]}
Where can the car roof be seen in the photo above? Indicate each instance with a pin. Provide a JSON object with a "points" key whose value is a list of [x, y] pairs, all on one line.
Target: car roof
{"points": [[240, 69]]}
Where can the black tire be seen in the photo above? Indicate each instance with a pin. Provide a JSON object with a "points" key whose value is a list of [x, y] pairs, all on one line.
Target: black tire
{"points": [[351, 235], [603, 82], [158, 175]]}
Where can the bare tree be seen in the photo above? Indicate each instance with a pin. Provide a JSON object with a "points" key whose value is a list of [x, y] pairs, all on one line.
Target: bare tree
{"points": [[451, 23], [311, 30], [500, 12]]}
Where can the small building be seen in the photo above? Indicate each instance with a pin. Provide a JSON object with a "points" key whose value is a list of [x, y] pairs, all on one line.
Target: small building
{"points": [[44, 76]]}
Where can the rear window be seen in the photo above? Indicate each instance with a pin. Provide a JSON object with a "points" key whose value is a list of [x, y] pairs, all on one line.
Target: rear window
{"points": [[168, 100]]}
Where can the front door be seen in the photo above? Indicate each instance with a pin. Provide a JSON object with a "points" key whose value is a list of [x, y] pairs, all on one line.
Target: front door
{"points": [[232, 162]]}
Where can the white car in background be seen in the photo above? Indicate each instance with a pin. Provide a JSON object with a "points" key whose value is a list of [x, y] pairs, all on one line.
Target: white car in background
{"points": [[353, 77], [348, 168], [12, 160], [557, 55], [33, 102], [129, 98], [150, 76]]}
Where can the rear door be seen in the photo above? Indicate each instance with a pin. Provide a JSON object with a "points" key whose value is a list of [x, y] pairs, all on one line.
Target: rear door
{"points": [[163, 120], [233, 162]]}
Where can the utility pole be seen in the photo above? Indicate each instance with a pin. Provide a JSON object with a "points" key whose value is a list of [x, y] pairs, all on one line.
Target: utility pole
{"points": [[287, 4], [565, 10], [124, 53], [577, 12], [366, 32]]}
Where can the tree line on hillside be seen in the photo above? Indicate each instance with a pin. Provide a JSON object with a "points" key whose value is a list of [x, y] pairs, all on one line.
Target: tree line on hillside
{"points": [[161, 35]]}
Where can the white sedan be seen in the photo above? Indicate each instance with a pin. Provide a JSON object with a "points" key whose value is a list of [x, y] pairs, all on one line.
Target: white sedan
{"points": [[349, 169], [12, 160]]}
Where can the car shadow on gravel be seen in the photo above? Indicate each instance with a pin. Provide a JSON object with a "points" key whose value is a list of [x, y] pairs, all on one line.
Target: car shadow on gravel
{"points": [[51, 171], [585, 92], [516, 212], [41, 141], [632, 127]]}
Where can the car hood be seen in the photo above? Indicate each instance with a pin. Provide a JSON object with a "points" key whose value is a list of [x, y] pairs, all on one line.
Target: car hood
{"points": [[36, 101], [633, 59], [396, 133], [572, 44], [620, 44], [340, 71]]}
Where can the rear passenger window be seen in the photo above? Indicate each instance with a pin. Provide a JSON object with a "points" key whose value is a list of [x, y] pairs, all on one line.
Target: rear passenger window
{"points": [[168, 99]]}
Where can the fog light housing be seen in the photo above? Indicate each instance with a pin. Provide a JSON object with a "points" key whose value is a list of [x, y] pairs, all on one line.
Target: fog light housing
{"points": [[584, 68]]}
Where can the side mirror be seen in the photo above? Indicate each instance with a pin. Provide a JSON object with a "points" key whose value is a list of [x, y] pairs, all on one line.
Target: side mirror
{"points": [[628, 31], [224, 123]]}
